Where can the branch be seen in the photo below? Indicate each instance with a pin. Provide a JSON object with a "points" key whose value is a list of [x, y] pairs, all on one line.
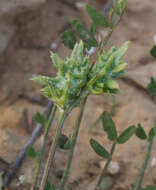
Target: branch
{"points": [[36, 132]]}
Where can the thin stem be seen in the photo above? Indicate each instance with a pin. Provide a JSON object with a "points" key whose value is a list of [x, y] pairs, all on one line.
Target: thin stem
{"points": [[74, 140], [144, 166], [106, 166], [95, 123], [52, 150], [40, 156]]}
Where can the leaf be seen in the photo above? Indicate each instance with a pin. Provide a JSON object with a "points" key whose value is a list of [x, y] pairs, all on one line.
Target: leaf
{"points": [[100, 150], [40, 118], [49, 186], [31, 152], [96, 16], [152, 86], [149, 187], [153, 51], [84, 34], [64, 142], [109, 126], [151, 134], [140, 132], [126, 135], [69, 39]]}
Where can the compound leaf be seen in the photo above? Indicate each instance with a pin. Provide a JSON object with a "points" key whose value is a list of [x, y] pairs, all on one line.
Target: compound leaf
{"points": [[126, 135], [69, 39], [140, 132], [109, 126], [100, 150]]}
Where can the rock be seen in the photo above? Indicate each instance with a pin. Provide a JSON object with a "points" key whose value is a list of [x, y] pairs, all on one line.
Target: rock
{"points": [[137, 5], [17, 6], [6, 33], [113, 167], [8, 10]]}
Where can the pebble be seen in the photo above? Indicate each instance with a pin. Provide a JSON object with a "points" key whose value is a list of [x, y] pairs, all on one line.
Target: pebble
{"points": [[113, 167]]}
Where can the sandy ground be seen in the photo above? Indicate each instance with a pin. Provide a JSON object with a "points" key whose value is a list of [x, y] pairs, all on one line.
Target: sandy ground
{"points": [[28, 54]]}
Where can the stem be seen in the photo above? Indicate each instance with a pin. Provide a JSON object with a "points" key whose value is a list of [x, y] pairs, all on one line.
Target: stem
{"points": [[144, 166], [74, 140], [95, 123], [40, 156], [106, 166], [53, 149]]}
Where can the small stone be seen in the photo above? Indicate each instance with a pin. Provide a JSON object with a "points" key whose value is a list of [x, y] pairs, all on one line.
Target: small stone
{"points": [[80, 4], [153, 162], [113, 168]]}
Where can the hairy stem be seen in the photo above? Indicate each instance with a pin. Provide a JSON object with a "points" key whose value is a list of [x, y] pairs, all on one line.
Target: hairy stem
{"points": [[106, 166], [74, 140], [40, 156], [52, 150], [144, 165]]}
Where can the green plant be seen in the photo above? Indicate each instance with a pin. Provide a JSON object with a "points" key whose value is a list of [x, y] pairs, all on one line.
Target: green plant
{"points": [[79, 76]]}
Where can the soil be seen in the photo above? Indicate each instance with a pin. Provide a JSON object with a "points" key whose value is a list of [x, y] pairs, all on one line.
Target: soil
{"points": [[28, 55]]}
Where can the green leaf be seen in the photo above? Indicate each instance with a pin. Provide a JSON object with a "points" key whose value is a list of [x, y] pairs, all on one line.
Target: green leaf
{"points": [[93, 28], [152, 86], [153, 51], [109, 126], [64, 142], [31, 152], [40, 118], [149, 187], [119, 6], [84, 34], [151, 134], [100, 150], [96, 16], [49, 186], [69, 39], [126, 135], [140, 132]]}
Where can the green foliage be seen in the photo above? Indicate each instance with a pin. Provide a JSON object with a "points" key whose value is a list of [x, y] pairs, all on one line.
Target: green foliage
{"points": [[64, 142], [153, 51], [119, 6], [75, 74], [107, 67], [96, 17], [140, 132], [149, 187], [100, 150], [70, 79], [31, 152], [151, 134], [109, 126], [69, 39], [84, 34], [152, 87], [40, 118], [126, 135], [49, 186]]}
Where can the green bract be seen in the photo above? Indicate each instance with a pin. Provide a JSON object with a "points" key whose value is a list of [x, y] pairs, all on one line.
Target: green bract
{"points": [[76, 77], [71, 77], [107, 67]]}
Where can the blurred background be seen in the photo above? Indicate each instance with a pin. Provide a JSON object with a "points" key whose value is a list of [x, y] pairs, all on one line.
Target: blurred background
{"points": [[28, 30]]}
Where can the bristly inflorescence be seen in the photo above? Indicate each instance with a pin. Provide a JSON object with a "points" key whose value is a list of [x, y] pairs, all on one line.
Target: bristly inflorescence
{"points": [[76, 77]]}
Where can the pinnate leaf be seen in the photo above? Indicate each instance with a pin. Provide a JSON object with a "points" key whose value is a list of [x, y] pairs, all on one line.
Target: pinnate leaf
{"points": [[100, 150], [109, 126], [152, 86], [153, 51], [96, 16], [69, 39], [126, 135], [140, 132]]}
